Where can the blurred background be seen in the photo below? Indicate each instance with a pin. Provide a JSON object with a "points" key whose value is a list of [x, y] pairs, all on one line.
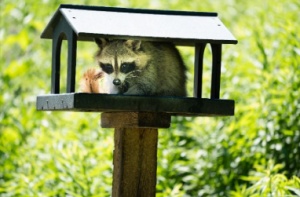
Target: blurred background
{"points": [[254, 153]]}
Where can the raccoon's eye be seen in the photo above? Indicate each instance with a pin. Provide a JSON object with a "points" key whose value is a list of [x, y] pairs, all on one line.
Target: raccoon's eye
{"points": [[107, 68], [127, 67]]}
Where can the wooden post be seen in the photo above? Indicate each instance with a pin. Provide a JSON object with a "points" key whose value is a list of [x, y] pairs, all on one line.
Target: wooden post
{"points": [[135, 154]]}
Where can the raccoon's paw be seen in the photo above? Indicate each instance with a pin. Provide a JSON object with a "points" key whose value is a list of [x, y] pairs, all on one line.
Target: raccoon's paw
{"points": [[124, 87], [89, 82]]}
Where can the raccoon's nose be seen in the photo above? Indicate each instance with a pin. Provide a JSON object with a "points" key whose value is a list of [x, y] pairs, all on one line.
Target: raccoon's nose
{"points": [[116, 82]]}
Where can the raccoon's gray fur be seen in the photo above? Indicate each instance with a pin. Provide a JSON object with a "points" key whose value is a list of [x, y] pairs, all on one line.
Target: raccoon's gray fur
{"points": [[137, 67]]}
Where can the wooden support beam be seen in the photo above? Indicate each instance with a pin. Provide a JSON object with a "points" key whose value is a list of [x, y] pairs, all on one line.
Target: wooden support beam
{"points": [[216, 71], [63, 31], [135, 162], [135, 120], [56, 50], [135, 154], [198, 69], [72, 52]]}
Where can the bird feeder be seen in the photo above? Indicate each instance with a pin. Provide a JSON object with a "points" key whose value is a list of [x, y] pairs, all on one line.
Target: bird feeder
{"points": [[136, 118]]}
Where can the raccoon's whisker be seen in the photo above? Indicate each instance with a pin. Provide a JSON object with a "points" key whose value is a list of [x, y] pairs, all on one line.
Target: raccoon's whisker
{"points": [[133, 74], [131, 77]]}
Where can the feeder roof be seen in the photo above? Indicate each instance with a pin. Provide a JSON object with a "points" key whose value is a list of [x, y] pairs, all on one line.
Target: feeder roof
{"points": [[180, 27]]}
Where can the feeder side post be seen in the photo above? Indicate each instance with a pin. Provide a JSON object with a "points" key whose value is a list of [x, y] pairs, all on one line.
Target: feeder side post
{"points": [[198, 69], [216, 71], [62, 31], [72, 52], [56, 50]]}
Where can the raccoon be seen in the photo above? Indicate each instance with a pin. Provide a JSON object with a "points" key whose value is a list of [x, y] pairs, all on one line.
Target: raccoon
{"points": [[135, 67]]}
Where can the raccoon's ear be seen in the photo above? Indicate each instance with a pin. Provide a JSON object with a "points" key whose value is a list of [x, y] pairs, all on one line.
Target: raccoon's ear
{"points": [[133, 44], [101, 42]]}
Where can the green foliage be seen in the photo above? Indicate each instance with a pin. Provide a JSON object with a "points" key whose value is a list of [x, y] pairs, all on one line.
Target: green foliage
{"points": [[268, 182], [68, 154]]}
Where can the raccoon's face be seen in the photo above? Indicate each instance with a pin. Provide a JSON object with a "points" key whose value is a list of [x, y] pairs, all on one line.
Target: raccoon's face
{"points": [[117, 71], [120, 60]]}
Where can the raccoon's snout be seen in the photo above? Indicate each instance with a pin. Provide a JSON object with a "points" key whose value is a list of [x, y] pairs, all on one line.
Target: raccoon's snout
{"points": [[117, 82]]}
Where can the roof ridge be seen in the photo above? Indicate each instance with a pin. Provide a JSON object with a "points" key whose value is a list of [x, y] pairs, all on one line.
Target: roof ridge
{"points": [[138, 10]]}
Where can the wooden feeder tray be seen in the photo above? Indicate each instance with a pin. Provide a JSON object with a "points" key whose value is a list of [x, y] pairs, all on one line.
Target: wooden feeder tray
{"points": [[86, 102], [77, 22]]}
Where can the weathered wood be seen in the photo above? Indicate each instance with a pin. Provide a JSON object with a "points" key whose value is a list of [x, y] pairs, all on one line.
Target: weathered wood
{"points": [[135, 120], [125, 103], [135, 162], [135, 154]]}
